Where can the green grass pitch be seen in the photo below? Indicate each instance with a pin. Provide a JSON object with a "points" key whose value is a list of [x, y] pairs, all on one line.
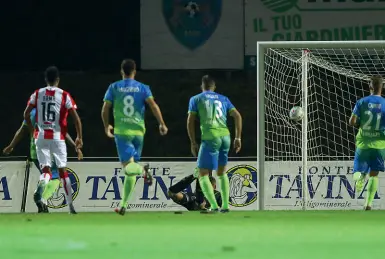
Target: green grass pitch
{"points": [[237, 235]]}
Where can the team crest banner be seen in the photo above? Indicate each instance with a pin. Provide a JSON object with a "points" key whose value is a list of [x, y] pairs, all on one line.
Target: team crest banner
{"points": [[192, 34], [192, 22]]}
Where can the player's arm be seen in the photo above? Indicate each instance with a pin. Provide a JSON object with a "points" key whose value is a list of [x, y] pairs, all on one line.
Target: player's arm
{"points": [[71, 106], [238, 128], [202, 206], [106, 118], [238, 123], [353, 121], [158, 115], [27, 117], [27, 112], [105, 113], [20, 133], [71, 142], [79, 128], [354, 118], [191, 118]]}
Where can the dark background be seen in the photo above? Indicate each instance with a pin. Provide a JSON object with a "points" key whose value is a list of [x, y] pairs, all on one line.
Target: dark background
{"points": [[87, 41]]}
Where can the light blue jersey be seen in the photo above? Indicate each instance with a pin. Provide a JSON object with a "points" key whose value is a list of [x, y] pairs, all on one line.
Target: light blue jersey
{"points": [[370, 140], [370, 112], [212, 109], [128, 98]]}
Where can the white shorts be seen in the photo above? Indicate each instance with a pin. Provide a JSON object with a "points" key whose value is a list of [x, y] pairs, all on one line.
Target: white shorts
{"points": [[48, 150]]}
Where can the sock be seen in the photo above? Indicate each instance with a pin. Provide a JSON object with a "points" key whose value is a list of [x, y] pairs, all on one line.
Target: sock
{"points": [[44, 180], [38, 192], [196, 172], [50, 189], [208, 191], [182, 184], [46, 177], [67, 187], [225, 190], [128, 188], [372, 189], [131, 170], [40, 188], [357, 176]]}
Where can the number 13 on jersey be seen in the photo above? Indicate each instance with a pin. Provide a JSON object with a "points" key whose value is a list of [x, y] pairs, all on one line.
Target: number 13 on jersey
{"points": [[218, 108]]}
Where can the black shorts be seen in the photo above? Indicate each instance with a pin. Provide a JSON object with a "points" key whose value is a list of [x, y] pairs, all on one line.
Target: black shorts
{"points": [[189, 201]]}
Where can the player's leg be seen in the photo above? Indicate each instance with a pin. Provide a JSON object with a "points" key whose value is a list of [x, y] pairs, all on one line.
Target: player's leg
{"points": [[372, 189], [182, 184], [175, 192], [185, 199], [53, 185], [59, 151], [40, 192], [360, 183], [208, 161], [376, 164], [200, 198], [39, 189], [67, 186], [126, 152], [222, 176], [360, 167], [43, 153], [137, 142]]}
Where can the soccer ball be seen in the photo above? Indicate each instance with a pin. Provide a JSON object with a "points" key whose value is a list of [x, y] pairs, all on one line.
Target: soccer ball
{"points": [[296, 113]]}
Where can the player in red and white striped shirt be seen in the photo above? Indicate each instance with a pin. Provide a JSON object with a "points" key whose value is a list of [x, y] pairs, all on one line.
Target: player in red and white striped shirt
{"points": [[52, 108]]}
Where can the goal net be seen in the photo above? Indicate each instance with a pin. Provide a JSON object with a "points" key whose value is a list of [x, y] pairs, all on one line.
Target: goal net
{"points": [[326, 81]]}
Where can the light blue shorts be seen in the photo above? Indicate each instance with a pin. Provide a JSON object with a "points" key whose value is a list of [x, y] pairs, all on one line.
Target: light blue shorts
{"points": [[369, 159], [129, 146], [213, 153]]}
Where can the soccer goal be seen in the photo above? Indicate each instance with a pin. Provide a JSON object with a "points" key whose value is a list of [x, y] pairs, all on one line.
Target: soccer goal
{"points": [[326, 79]]}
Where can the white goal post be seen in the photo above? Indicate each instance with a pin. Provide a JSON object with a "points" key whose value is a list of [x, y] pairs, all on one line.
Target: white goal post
{"points": [[325, 78]]}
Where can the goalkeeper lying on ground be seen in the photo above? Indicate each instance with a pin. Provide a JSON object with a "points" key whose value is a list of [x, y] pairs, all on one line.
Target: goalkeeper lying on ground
{"points": [[192, 200]]}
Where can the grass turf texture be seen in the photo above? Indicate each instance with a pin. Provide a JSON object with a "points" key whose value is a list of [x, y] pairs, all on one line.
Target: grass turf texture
{"points": [[268, 234]]}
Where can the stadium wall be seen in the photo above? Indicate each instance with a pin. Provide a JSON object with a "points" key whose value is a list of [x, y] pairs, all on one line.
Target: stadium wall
{"points": [[97, 186]]}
